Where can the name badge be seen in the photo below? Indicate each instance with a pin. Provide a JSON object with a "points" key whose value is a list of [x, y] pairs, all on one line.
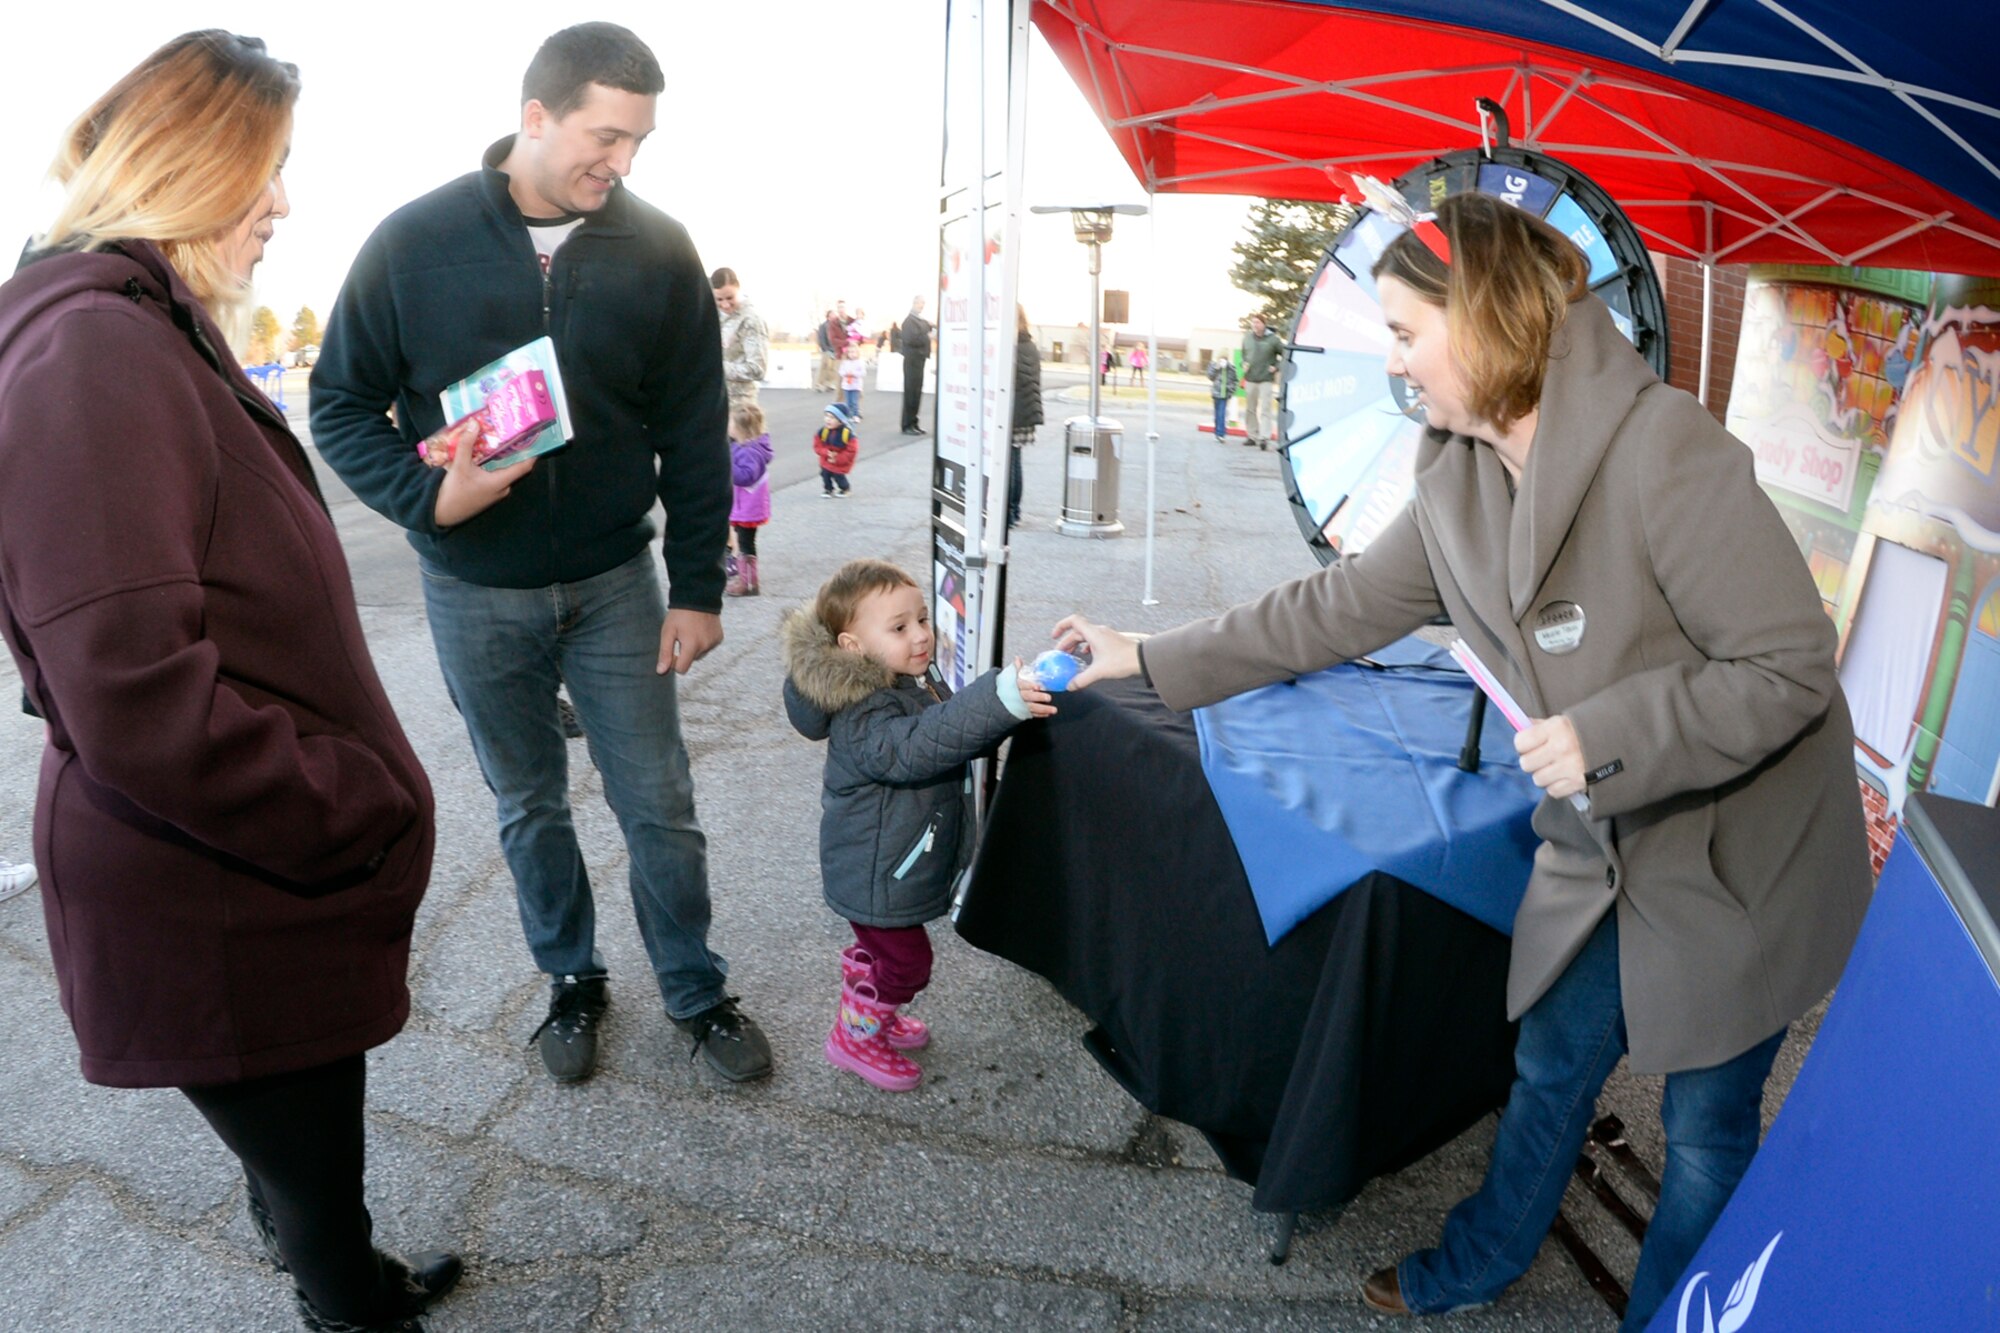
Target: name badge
{"points": [[1559, 628]]}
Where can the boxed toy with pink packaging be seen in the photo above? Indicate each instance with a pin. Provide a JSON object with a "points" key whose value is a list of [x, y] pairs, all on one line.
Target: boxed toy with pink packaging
{"points": [[518, 402]]}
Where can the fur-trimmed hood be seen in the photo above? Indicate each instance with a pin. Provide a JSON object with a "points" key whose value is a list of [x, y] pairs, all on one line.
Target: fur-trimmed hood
{"points": [[826, 676]]}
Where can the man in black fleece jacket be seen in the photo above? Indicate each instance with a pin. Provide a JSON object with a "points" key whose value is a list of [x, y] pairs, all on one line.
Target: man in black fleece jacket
{"points": [[539, 573]]}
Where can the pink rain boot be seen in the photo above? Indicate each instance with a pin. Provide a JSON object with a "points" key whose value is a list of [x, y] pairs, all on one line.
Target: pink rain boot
{"points": [[734, 584], [902, 1031], [751, 587], [856, 1043]]}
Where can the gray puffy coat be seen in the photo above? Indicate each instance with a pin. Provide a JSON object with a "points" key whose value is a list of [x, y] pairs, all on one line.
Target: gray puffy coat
{"points": [[895, 828]]}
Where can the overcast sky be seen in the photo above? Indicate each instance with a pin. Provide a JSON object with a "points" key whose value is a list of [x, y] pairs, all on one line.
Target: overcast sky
{"points": [[798, 140]]}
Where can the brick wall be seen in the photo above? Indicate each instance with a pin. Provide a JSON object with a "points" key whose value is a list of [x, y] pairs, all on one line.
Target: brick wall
{"points": [[1680, 282], [1881, 826]]}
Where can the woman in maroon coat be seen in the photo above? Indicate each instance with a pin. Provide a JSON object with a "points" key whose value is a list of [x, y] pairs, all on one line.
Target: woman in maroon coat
{"points": [[232, 829]]}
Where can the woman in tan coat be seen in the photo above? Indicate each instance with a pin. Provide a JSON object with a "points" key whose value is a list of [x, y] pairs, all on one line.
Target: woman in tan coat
{"points": [[1602, 544]]}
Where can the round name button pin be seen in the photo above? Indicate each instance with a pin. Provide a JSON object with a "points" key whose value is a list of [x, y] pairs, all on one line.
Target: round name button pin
{"points": [[1559, 628]]}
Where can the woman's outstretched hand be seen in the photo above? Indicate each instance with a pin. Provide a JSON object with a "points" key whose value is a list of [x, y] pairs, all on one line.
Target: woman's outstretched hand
{"points": [[1113, 656]]}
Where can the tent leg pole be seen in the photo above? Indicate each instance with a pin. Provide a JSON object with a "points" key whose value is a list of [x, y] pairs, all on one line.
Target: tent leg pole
{"points": [[1707, 326], [1281, 1237], [1152, 384]]}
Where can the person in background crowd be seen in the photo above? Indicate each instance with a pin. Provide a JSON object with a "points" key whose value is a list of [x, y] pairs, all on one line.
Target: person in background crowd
{"points": [[824, 380], [853, 376], [1027, 407], [837, 446], [916, 345], [235, 830], [1221, 388], [1703, 866], [750, 470], [1139, 361], [541, 571], [1262, 349], [746, 342], [833, 338]]}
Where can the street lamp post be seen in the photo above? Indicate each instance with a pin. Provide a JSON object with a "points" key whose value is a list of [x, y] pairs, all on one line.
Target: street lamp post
{"points": [[1091, 444]]}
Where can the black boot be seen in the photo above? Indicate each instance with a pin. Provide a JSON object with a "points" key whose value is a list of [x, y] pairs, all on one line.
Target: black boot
{"points": [[418, 1282], [267, 1231]]}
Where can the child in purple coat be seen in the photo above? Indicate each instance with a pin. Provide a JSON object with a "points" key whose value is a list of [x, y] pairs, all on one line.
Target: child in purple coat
{"points": [[750, 469]]}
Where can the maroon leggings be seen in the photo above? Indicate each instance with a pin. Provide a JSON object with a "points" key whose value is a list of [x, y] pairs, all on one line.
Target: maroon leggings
{"points": [[902, 960]]}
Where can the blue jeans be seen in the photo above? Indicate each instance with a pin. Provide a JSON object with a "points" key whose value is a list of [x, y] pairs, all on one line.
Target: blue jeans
{"points": [[1221, 420], [504, 651], [1570, 1040], [853, 397]]}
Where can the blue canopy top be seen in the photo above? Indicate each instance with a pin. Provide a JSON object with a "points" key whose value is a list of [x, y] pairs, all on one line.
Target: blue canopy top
{"points": [[1914, 84]]}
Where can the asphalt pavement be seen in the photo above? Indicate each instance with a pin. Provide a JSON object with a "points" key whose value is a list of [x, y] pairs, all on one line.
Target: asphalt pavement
{"points": [[1019, 1188]]}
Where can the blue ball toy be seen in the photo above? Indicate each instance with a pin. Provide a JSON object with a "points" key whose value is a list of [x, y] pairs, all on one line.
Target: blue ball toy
{"points": [[1054, 670]]}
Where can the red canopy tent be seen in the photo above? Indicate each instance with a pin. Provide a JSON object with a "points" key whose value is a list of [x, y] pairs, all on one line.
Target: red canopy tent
{"points": [[1283, 98]]}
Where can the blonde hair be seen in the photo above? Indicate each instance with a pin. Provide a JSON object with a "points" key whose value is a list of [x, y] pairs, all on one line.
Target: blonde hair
{"points": [[176, 154], [748, 418], [841, 596], [1505, 293]]}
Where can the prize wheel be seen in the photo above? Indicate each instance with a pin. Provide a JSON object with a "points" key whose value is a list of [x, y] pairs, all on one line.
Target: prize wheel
{"points": [[1350, 435]]}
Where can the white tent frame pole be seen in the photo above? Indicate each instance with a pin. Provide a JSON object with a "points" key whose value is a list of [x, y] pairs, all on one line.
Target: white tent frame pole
{"points": [[1707, 328], [975, 454], [1152, 383], [1673, 42], [1707, 303], [1010, 266]]}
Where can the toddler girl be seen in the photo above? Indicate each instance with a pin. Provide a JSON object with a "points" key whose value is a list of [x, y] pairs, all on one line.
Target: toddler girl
{"points": [[895, 829], [750, 469], [853, 370]]}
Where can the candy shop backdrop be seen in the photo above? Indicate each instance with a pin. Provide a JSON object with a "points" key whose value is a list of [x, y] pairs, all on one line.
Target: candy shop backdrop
{"points": [[1872, 401]]}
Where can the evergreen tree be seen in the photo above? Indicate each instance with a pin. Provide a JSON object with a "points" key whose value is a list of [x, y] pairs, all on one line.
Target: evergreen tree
{"points": [[264, 331], [1276, 261], [305, 330]]}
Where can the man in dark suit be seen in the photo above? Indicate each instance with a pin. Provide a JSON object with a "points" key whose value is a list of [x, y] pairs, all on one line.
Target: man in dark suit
{"points": [[916, 351]]}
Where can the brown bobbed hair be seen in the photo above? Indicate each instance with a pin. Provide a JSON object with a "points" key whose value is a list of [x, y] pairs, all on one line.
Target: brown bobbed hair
{"points": [[840, 596], [176, 153], [1020, 321], [723, 277], [1505, 293]]}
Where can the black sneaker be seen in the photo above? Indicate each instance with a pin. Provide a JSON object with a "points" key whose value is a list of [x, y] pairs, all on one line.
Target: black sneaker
{"points": [[572, 727], [568, 1036], [730, 1041]]}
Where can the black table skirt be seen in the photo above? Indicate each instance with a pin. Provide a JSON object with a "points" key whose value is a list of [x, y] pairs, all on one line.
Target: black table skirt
{"points": [[1369, 1036]]}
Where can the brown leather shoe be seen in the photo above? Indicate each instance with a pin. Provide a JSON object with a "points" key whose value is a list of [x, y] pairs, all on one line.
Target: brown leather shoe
{"points": [[1384, 1291]]}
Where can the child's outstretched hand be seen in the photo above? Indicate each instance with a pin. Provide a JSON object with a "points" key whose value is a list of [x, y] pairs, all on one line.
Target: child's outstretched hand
{"points": [[1040, 702]]}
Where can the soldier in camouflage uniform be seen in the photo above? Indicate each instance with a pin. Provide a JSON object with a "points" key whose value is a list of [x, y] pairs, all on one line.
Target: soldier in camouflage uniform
{"points": [[746, 341]]}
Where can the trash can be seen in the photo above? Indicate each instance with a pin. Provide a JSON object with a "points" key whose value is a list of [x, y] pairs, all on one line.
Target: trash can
{"points": [[1092, 448]]}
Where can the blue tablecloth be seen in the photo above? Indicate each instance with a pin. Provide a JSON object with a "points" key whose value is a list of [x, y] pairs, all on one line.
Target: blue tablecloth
{"points": [[1354, 769], [1875, 1200]]}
